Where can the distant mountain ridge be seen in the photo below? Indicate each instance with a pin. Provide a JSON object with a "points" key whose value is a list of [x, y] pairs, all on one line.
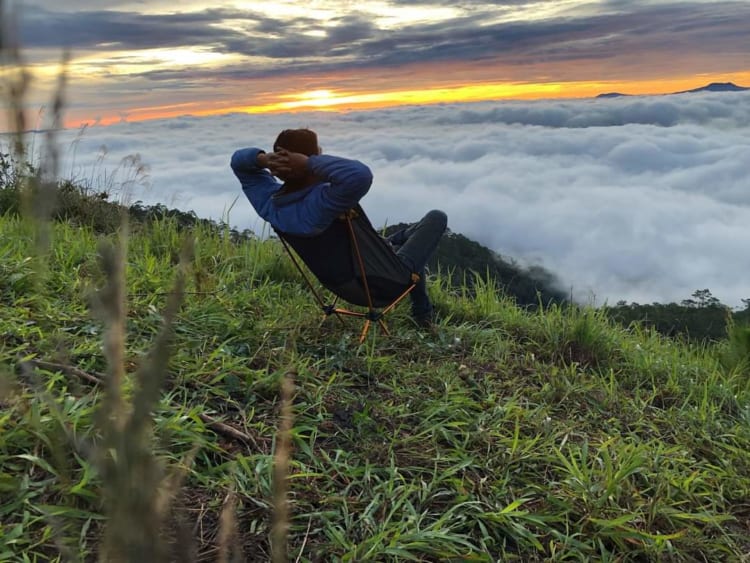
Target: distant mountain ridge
{"points": [[712, 87], [466, 262], [612, 95], [716, 87]]}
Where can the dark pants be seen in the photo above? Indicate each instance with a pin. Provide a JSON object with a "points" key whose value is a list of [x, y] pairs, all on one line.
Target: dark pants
{"points": [[415, 245]]}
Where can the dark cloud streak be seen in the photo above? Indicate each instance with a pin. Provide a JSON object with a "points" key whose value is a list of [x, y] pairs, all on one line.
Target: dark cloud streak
{"points": [[718, 28], [115, 30]]}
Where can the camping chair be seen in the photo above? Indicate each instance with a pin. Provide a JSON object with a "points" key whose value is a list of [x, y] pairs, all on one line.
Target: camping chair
{"points": [[356, 264]]}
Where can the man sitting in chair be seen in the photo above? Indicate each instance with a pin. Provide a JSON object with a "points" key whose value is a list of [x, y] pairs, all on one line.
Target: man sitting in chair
{"points": [[317, 189]]}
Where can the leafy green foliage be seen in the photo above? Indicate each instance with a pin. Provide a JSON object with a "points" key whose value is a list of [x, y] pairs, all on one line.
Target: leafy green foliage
{"points": [[86, 206], [12, 178], [700, 319], [735, 353]]}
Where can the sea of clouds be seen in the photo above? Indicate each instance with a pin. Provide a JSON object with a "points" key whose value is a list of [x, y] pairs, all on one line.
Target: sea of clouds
{"points": [[641, 199]]}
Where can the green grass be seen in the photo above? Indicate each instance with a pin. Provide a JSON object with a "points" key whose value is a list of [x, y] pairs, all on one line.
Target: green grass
{"points": [[502, 435]]}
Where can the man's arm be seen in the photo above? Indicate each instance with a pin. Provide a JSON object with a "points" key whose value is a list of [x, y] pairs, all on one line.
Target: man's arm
{"points": [[347, 182], [258, 184]]}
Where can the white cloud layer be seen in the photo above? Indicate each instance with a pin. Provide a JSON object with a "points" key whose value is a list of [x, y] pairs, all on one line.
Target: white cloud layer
{"points": [[642, 199]]}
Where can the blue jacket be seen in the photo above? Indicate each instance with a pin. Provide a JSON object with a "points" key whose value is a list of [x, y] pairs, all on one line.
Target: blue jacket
{"points": [[309, 211]]}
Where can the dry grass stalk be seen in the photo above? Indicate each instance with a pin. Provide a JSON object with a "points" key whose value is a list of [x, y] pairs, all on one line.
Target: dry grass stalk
{"points": [[45, 183], [112, 308], [39, 193], [281, 459], [133, 476], [16, 79], [229, 551]]}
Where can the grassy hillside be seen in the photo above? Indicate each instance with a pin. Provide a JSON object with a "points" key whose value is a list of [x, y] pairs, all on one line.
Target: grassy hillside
{"points": [[145, 428]]}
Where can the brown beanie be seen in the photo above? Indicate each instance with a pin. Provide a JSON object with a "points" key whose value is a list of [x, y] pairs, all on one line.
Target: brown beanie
{"points": [[303, 141]]}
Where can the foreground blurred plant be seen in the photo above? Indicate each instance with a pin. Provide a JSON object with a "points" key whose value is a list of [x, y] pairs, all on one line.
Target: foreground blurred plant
{"points": [[136, 492], [135, 485]]}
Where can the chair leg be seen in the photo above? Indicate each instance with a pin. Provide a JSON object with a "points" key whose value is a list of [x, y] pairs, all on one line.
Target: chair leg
{"points": [[384, 328], [338, 316], [365, 330]]}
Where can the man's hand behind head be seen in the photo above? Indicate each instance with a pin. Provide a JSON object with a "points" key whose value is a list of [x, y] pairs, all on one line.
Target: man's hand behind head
{"points": [[287, 165]]}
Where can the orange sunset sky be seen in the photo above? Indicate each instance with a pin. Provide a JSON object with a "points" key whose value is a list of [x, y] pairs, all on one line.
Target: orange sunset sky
{"points": [[135, 60]]}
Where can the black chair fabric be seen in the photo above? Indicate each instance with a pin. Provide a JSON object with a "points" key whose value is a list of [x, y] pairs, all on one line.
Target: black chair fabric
{"points": [[332, 258]]}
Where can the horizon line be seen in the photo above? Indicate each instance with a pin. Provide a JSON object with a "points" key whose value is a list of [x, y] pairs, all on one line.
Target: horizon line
{"points": [[330, 101]]}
